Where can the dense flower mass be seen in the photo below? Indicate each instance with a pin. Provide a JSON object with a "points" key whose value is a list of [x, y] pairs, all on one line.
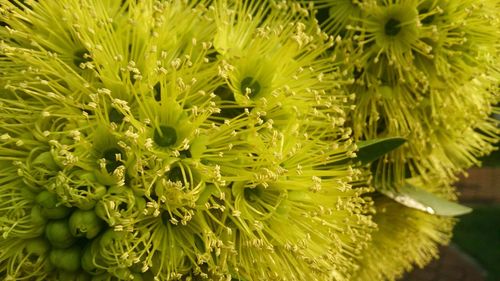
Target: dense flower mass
{"points": [[427, 71], [168, 140], [224, 139]]}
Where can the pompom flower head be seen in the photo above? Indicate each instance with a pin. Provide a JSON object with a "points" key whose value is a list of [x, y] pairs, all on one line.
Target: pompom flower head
{"points": [[426, 71], [147, 140], [405, 237]]}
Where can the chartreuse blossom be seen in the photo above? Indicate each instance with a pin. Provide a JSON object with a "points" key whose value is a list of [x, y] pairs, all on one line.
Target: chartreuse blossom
{"points": [[405, 237], [427, 71], [168, 140]]}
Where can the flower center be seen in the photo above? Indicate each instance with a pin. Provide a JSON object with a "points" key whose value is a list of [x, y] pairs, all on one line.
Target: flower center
{"points": [[165, 136], [79, 57], [175, 174], [115, 116], [392, 27], [111, 162], [157, 91], [252, 194], [251, 85], [427, 19]]}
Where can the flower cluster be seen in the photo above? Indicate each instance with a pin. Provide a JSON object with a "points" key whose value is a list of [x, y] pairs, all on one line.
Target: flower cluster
{"points": [[427, 71], [169, 140], [222, 139]]}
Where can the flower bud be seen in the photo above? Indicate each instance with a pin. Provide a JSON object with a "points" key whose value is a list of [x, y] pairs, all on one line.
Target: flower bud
{"points": [[37, 218], [59, 234], [85, 224], [66, 259], [51, 208], [37, 246]]}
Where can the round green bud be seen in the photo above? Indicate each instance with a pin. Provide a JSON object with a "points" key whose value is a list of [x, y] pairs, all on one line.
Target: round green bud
{"points": [[37, 246], [56, 213], [87, 261], [46, 199], [85, 224], [36, 215], [59, 234], [66, 259], [51, 207]]}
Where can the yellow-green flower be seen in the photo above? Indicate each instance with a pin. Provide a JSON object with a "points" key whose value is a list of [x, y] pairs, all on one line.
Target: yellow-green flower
{"points": [[431, 79], [170, 140], [426, 71], [405, 238]]}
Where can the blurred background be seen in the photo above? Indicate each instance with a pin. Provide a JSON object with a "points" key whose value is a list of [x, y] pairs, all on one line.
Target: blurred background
{"points": [[474, 253]]}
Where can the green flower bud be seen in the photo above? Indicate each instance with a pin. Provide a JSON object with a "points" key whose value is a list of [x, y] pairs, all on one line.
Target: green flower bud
{"points": [[37, 246], [59, 234], [46, 199], [37, 216], [56, 213], [51, 207], [85, 224], [66, 259]]}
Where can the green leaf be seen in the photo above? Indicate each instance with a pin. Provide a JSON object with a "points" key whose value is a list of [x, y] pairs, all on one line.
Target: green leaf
{"points": [[371, 150], [417, 198]]}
